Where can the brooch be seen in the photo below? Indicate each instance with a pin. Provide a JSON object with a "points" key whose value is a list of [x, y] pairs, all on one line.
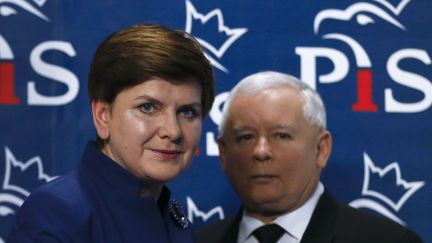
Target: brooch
{"points": [[178, 215]]}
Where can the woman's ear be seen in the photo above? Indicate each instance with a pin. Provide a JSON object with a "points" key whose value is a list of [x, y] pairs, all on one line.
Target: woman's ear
{"points": [[101, 116], [324, 147]]}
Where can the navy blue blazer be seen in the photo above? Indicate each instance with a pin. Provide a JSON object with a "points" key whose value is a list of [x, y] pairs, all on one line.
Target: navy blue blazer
{"points": [[331, 222], [99, 202]]}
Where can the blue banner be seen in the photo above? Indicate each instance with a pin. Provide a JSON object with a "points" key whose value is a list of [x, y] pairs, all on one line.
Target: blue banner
{"points": [[370, 61]]}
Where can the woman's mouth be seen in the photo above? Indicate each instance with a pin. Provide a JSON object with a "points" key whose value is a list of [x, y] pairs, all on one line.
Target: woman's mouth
{"points": [[166, 154]]}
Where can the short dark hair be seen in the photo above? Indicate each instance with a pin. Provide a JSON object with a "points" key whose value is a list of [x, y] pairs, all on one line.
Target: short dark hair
{"points": [[140, 52]]}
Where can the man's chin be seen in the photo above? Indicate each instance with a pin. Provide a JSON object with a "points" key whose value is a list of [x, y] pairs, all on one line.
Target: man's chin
{"points": [[267, 207]]}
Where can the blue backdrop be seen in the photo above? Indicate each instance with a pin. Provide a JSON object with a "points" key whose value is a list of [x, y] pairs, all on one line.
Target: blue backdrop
{"points": [[370, 60]]}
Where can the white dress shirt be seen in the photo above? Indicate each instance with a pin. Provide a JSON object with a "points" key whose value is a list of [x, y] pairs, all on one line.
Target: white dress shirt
{"points": [[294, 222]]}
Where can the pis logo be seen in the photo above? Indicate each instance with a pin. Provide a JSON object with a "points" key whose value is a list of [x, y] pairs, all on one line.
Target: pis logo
{"points": [[365, 14], [8, 67]]}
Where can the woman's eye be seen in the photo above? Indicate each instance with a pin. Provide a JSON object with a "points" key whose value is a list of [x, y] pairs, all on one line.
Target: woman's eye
{"points": [[188, 112], [148, 108]]}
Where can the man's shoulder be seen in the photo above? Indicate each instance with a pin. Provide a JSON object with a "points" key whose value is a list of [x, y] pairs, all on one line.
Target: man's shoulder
{"points": [[355, 223], [365, 219], [218, 226], [342, 223], [214, 232]]}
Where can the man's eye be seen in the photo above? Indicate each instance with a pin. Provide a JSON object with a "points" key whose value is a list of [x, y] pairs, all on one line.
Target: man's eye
{"points": [[148, 108], [245, 137], [282, 135]]}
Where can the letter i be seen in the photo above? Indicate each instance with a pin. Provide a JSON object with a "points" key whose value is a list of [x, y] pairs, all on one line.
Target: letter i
{"points": [[364, 92], [7, 96]]}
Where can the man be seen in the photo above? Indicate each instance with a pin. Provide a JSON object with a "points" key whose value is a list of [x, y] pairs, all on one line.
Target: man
{"points": [[273, 145]]}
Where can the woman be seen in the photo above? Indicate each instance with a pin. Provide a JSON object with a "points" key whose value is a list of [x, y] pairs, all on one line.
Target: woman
{"points": [[150, 88]]}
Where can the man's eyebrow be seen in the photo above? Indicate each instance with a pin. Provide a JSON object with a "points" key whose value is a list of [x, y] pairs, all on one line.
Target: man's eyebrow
{"points": [[283, 126], [241, 128]]}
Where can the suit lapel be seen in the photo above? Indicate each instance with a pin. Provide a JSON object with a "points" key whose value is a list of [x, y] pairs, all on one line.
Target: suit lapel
{"points": [[321, 228], [322, 225], [231, 233]]}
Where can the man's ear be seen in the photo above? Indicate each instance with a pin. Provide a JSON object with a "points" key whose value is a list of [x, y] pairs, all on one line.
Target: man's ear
{"points": [[101, 116], [324, 147], [222, 153]]}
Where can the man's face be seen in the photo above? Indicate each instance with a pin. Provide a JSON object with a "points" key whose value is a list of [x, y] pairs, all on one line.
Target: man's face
{"points": [[271, 154]]}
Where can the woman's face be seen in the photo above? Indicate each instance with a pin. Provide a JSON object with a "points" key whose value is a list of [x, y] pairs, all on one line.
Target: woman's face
{"points": [[152, 129]]}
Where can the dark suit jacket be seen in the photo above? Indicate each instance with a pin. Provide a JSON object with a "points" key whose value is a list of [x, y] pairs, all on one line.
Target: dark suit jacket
{"points": [[330, 222]]}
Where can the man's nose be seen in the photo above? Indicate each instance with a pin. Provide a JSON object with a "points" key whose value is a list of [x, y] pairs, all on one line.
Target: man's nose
{"points": [[262, 150]]}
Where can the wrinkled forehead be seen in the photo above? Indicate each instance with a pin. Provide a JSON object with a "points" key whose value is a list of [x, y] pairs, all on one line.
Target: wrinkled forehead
{"points": [[254, 99], [267, 105], [251, 98]]}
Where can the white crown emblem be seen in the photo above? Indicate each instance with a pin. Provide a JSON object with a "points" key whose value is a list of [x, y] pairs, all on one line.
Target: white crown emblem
{"points": [[395, 9], [13, 191], [15, 167], [194, 212], [9, 10], [229, 35], [375, 177], [40, 3]]}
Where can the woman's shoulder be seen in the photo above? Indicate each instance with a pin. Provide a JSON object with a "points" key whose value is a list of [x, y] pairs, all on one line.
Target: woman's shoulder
{"points": [[66, 187], [63, 190], [64, 193], [59, 209]]}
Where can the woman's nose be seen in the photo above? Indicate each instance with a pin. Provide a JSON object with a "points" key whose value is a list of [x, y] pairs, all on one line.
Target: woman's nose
{"points": [[170, 128]]}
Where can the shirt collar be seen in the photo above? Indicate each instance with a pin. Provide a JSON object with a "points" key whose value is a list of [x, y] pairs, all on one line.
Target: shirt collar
{"points": [[294, 222]]}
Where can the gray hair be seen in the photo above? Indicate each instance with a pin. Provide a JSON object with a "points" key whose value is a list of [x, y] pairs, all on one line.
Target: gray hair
{"points": [[313, 106]]}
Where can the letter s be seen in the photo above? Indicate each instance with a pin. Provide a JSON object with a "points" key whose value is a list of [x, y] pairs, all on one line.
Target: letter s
{"points": [[54, 72], [216, 116], [408, 79]]}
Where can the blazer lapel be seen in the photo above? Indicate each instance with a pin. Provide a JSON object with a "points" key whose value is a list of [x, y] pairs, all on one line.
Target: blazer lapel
{"points": [[321, 228], [322, 225], [231, 233]]}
